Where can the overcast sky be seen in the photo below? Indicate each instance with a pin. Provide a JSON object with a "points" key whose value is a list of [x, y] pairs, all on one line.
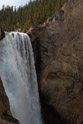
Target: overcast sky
{"points": [[16, 3]]}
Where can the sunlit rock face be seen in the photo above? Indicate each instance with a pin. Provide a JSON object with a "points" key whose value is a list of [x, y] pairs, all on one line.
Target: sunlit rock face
{"points": [[17, 71], [58, 49]]}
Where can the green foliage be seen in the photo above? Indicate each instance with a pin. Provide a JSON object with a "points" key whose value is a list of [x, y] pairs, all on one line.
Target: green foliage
{"points": [[32, 14]]}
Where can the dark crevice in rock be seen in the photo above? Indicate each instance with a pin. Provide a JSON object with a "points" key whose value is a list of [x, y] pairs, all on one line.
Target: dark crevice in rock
{"points": [[2, 34]]}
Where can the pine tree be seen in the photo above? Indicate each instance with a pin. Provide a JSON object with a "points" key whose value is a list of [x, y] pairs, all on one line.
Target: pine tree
{"points": [[32, 14]]}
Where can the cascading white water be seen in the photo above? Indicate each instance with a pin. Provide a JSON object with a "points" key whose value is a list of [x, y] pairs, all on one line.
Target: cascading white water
{"points": [[18, 74]]}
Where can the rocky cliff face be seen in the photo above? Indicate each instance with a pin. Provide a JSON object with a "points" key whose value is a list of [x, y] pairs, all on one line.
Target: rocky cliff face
{"points": [[5, 114], [58, 50]]}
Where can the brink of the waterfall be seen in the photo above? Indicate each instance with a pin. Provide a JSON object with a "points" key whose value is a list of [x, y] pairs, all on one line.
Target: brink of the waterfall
{"points": [[17, 70]]}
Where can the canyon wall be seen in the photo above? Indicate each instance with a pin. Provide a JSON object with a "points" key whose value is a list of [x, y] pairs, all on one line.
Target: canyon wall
{"points": [[58, 51]]}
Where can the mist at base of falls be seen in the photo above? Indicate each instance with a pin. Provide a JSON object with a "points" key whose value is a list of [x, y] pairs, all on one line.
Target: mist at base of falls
{"points": [[17, 71]]}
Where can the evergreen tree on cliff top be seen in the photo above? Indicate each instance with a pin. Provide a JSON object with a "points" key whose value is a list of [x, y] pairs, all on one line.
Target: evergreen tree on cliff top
{"points": [[34, 13]]}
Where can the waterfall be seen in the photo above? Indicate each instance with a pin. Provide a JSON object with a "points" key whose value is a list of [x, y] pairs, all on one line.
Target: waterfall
{"points": [[18, 74]]}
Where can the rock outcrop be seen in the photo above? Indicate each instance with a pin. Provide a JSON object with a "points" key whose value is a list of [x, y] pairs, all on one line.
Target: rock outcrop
{"points": [[5, 114], [58, 50], [2, 34]]}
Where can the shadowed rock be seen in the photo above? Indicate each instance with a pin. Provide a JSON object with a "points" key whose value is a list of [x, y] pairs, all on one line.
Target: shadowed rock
{"points": [[2, 34]]}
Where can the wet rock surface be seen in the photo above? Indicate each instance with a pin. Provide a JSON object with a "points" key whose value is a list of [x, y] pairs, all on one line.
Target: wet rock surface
{"points": [[58, 51]]}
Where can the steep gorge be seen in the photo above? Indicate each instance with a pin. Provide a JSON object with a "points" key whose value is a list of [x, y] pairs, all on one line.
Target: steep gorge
{"points": [[58, 51]]}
